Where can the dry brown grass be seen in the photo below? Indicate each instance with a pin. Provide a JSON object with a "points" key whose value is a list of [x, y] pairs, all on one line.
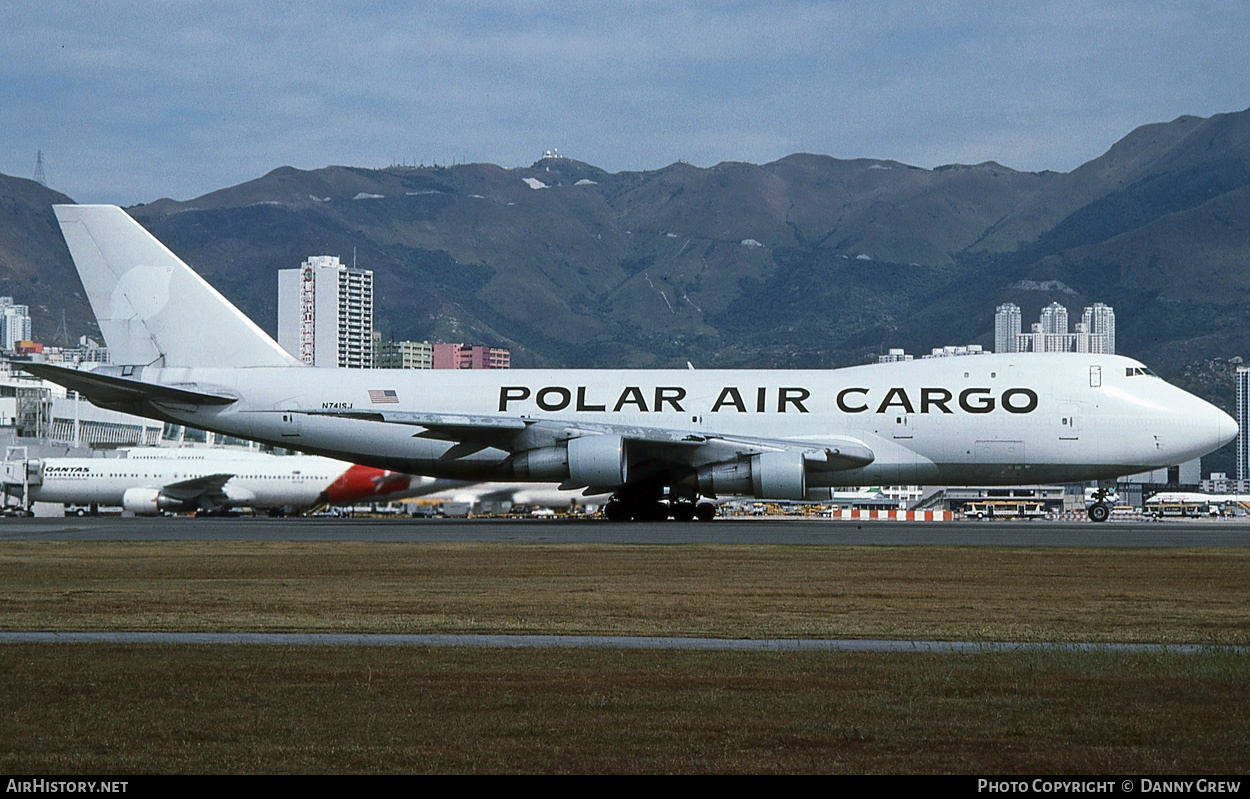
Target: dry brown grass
{"points": [[81, 708], [983, 594], [78, 708]]}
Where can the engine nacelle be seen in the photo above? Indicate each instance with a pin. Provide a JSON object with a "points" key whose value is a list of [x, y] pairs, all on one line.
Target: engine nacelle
{"points": [[769, 475], [150, 502], [547, 464], [598, 461], [588, 460]]}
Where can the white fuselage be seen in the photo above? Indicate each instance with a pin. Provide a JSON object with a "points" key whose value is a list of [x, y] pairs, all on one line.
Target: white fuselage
{"points": [[258, 480], [185, 354], [542, 495], [989, 419]]}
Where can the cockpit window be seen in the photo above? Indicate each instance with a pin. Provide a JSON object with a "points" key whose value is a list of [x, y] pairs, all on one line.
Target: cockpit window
{"points": [[1134, 371]]}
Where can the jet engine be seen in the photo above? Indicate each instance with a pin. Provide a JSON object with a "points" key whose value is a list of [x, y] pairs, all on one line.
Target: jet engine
{"points": [[768, 475], [151, 502], [587, 461]]}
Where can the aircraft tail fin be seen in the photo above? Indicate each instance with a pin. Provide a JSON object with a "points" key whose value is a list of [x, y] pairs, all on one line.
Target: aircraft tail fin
{"points": [[153, 309]]}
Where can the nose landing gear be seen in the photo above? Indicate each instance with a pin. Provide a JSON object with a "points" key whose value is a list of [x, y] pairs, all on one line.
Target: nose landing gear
{"points": [[1100, 510]]}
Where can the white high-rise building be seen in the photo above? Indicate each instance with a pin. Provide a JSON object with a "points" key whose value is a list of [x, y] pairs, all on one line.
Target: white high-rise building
{"points": [[1007, 328], [1049, 334], [1054, 320], [1243, 420], [1099, 321], [1095, 332], [14, 324], [325, 313]]}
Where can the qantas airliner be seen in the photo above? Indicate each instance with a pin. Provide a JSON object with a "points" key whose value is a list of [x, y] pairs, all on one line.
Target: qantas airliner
{"points": [[186, 355], [150, 481]]}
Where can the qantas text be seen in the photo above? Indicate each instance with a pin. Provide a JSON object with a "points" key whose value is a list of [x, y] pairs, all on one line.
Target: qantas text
{"points": [[782, 399]]}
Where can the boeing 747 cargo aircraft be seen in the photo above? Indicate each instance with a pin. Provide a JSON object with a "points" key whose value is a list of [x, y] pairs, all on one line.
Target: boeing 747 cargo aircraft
{"points": [[186, 355]]}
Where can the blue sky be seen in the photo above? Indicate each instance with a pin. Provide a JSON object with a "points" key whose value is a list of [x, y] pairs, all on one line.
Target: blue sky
{"points": [[133, 101]]}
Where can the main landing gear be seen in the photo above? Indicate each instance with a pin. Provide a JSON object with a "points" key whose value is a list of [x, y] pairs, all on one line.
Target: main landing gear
{"points": [[1100, 511], [654, 504]]}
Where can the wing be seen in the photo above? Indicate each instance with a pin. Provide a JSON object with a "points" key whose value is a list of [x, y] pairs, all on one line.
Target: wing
{"points": [[206, 492], [602, 457]]}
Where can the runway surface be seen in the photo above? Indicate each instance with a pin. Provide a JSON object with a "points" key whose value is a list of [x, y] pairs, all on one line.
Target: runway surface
{"points": [[809, 532]]}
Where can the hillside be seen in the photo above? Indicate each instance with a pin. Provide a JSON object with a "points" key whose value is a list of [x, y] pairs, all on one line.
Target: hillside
{"points": [[35, 268], [808, 260]]}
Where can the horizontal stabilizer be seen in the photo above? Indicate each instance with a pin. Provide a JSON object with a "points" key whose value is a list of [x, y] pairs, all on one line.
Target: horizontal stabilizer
{"points": [[110, 390]]}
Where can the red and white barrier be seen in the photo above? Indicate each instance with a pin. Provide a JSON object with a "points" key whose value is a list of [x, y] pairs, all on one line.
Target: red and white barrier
{"points": [[895, 515]]}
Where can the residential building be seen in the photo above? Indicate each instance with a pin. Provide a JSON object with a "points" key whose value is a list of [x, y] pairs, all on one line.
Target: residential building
{"points": [[1099, 321], [1243, 421], [325, 313], [14, 324], [477, 356], [1221, 483], [894, 355], [403, 354], [1054, 319], [950, 351], [1007, 328], [1094, 333]]}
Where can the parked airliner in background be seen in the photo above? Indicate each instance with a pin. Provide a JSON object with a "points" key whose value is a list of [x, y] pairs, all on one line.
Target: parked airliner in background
{"points": [[480, 496], [1191, 503], [153, 480], [184, 354]]}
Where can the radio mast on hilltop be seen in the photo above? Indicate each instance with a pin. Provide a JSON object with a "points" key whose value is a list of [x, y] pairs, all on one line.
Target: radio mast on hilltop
{"points": [[40, 177], [62, 331]]}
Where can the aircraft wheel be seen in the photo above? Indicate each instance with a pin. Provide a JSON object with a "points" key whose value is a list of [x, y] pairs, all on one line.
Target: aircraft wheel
{"points": [[705, 511], [1098, 512], [683, 511], [652, 512], [616, 511]]}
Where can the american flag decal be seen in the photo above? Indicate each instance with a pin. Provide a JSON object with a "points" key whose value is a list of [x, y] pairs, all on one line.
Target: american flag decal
{"points": [[382, 395]]}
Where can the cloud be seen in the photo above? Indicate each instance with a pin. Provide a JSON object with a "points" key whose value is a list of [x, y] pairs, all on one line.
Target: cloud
{"points": [[133, 101]]}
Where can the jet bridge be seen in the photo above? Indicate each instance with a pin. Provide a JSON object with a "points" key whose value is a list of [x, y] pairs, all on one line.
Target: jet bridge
{"points": [[18, 473]]}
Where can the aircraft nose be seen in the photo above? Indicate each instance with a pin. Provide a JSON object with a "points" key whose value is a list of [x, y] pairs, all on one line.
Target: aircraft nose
{"points": [[1198, 427], [1226, 428]]}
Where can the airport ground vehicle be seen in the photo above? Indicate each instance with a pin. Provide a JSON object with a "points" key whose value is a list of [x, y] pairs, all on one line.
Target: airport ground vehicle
{"points": [[1181, 509], [1005, 509]]}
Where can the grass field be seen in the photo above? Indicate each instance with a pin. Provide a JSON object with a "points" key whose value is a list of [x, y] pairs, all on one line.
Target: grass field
{"points": [[131, 709]]}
